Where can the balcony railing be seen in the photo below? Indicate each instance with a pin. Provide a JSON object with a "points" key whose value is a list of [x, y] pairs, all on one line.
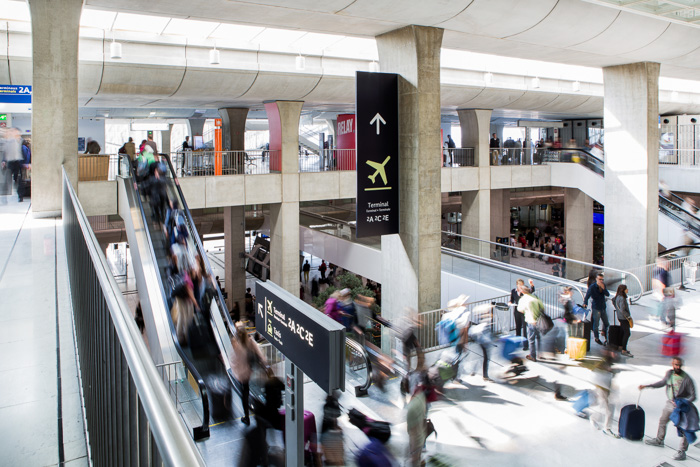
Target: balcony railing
{"points": [[130, 417]]}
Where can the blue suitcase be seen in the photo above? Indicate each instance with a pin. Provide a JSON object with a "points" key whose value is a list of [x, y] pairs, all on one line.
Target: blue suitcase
{"points": [[632, 421]]}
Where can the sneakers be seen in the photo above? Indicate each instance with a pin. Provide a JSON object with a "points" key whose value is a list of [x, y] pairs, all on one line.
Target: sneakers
{"points": [[560, 397], [654, 442], [531, 358], [488, 380], [597, 341], [627, 354], [610, 433], [680, 456]]}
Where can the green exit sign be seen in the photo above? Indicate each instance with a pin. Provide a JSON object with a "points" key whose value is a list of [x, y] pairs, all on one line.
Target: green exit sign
{"points": [[3, 117]]}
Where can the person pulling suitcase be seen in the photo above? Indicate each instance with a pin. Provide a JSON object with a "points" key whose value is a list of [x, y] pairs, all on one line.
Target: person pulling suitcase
{"points": [[678, 385]]}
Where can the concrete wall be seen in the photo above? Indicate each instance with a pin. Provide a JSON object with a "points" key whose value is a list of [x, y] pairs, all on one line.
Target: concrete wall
{"points": [[682, 179], [238, 190], [90, 128]]}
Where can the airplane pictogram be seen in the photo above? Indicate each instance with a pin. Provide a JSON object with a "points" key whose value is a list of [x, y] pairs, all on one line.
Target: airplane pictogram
{"points": [[380, 170]]}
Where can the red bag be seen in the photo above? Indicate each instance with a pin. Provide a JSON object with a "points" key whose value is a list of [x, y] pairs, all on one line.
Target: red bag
{"points": [[672, 344]]}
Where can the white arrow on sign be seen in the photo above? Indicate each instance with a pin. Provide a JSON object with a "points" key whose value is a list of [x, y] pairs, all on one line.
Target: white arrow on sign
{"points": [[378, 119]]}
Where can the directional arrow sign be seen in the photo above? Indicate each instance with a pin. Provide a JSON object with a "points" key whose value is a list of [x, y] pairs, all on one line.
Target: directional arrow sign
{"points": [[377, 118], [377, 105]]}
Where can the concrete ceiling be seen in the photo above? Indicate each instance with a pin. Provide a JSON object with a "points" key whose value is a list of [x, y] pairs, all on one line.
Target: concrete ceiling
{"points": [[563, 31]]}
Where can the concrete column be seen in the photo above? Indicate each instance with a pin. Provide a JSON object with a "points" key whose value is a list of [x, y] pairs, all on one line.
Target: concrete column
{"points": [[233, 131], [54, 100], [196, 127], [500, 214], [578, 225], [411, 259], [284, 245], [631, 113], [165, 140], [234, 248], [476, 221], [476, 124]]}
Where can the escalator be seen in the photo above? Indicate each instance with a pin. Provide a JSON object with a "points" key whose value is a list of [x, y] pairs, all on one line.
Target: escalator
{"points": [[675, 222], [192, 377]]}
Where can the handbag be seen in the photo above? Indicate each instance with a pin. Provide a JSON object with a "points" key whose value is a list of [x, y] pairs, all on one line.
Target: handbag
{"points": [[429, 428], [631, 322], [544, 323]]}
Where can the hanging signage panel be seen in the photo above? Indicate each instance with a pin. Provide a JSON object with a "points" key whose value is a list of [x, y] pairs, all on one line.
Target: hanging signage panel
{"points": [[308, 338], [377, 128], [15, 94]]}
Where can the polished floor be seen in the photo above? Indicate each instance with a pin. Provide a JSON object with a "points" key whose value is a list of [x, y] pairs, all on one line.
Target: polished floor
{"points": [[41, 421]]}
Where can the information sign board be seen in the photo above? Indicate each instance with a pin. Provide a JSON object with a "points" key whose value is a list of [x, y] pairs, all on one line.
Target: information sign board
{"points": [[15, 94], [311, 340], [377, 128]]}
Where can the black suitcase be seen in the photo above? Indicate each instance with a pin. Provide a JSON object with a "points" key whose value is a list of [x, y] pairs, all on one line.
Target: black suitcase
{"points": [[615, 336], [219, 391], [632, 420], [615, 333], [582, 330]]}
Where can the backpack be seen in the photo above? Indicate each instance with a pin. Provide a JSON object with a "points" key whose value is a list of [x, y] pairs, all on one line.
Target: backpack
{"points": [[447, 328]]}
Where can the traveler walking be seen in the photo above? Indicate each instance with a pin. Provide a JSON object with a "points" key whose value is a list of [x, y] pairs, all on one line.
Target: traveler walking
{"points": [[532, 307], [597, 293], [515, 295], [678, 386], [306, 268], [246, 354], [622, 310]]}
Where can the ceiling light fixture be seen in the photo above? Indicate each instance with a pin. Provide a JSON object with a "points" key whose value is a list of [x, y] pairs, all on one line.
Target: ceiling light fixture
{"points": [[373, 67], [576, 86], [535, 83], [301, 62], [214, 56], [115, 49], [488, 77]]}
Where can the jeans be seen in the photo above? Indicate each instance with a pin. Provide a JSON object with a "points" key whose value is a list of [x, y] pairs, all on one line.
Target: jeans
{"points": [[663, 421], [597, 314], [533, 338]]}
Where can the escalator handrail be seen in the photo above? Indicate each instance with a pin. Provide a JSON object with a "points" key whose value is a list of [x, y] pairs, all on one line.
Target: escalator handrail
{"points": [[512, 268], [692, 246], [591, 265], [203, 430], [223, 309], [679, 219], [200, 247], [363, 352], [679, 206]]}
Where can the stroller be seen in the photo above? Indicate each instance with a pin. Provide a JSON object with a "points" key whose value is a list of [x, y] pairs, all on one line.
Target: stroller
{"points": [[510, 345]]}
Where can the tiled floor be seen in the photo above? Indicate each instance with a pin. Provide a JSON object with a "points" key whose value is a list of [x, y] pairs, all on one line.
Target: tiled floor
{"points": [[33, 302]]}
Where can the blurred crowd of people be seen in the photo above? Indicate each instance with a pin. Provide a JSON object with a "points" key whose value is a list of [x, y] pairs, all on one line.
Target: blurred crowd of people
{"points": [[16, 155]]}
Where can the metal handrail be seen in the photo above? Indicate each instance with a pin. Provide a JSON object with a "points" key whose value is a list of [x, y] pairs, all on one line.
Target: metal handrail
{"points": [[583, 263], [201, 431], [175, 446]]}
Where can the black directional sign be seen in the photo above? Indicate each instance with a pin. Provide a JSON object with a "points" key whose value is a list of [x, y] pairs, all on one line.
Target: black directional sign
{"points": [[377, 127], [308, 338]]}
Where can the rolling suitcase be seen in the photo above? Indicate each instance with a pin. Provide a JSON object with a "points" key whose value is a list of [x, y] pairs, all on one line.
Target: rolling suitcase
{"points": [[632, 421], [576, 348], [615, 333], [672, 344], [582, 330]]}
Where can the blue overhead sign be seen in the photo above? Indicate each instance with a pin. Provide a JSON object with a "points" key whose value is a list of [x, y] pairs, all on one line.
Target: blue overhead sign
{"points": [[15, 94]]}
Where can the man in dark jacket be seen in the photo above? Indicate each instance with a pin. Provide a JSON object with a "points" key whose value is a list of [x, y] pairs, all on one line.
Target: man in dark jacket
{"points": [[597, 293], [678, 386], [515, 294]]}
